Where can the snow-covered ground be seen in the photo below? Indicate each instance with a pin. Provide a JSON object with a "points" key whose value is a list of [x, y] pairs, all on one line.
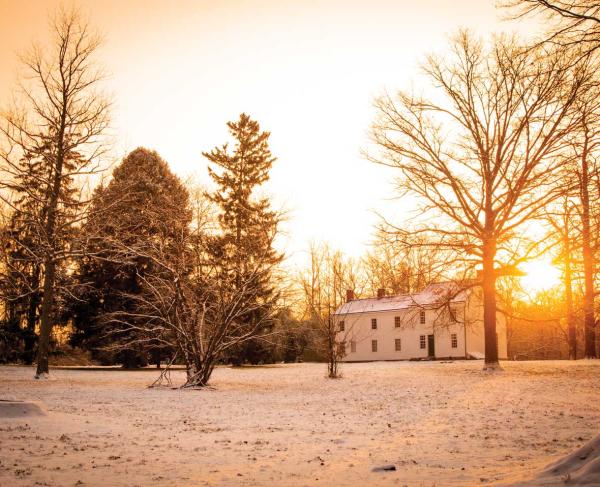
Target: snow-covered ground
{"points": [[437, 423]]}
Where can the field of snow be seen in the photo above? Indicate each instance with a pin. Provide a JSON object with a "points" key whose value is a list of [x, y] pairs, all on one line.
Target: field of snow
{"points": [[437, 423]]}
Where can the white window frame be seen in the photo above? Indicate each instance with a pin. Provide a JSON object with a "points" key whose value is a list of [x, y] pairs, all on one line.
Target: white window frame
{"points": [[398, 344], [423, 342]]}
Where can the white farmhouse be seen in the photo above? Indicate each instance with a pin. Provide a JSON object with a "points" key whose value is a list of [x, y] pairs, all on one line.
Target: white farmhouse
{"points": [[442, 321]]}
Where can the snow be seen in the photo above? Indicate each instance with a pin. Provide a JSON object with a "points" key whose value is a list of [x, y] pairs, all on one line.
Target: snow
{"points": [[580, 467], [476, 355], [443, 423], [20, 409], [434, 294]]}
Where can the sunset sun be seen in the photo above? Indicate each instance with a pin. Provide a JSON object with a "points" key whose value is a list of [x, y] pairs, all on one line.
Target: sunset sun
{"points": [[540, 275]]}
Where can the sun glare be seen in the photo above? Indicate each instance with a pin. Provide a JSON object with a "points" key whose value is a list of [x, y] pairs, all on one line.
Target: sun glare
{"points": [[540, 275]]}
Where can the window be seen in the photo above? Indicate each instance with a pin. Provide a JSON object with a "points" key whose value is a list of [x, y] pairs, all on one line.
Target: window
{"points": [[454, 340], [422, 341], [373, 345], [396, 321], [422, 318], [352, 347], [373, 324], [342, 326], [398, 343]]}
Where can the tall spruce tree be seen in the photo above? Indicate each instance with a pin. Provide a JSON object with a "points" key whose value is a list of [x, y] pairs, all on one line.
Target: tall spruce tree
{"points": [[247, 222], [144, 207]]}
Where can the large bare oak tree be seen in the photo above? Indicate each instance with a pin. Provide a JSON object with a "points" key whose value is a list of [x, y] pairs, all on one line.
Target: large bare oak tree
{"points": [[480, 153]]}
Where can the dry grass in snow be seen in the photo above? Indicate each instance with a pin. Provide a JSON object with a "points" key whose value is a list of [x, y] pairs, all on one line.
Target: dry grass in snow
{"points": [[437, 423]]}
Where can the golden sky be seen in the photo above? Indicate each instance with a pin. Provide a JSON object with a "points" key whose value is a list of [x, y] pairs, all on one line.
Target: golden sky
{"points": [[307, 70]]}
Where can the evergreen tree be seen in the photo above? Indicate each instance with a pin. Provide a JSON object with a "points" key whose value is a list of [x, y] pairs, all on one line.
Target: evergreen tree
{"points": [[247, 222], [144, 207], [21, 286], [27, 243]]}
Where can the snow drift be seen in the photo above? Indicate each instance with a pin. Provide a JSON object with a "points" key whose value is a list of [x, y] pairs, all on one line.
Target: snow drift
{"points": [[19, 409], [581, 467]]}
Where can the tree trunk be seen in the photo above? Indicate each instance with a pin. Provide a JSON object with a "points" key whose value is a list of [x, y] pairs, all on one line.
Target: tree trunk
{"points": [[49, 262], [198, 373], [46, 319], [571, 330], [32, 316], [332, 358], [588, 260], [489, 305], [332, 365]]}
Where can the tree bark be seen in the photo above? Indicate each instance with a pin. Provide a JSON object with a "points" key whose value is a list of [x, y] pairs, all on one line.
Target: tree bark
{"points": [[572, 332], [332, 365], [588, 259], [46, 319], [489, 304], [49, 262], [198, 373], [32, 310]]}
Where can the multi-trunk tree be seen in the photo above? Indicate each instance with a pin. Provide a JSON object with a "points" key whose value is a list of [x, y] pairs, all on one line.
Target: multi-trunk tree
{"points": [[324, 286], [184, 300]]}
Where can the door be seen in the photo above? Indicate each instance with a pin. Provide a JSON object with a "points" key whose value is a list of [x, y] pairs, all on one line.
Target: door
{"points": [[431, 345]]}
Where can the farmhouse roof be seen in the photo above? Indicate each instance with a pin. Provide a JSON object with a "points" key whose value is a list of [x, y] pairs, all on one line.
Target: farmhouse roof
{"points": [[432, 295]]}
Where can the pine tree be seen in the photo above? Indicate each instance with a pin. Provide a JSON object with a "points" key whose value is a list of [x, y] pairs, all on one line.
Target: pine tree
{"points": [[247, 222]]}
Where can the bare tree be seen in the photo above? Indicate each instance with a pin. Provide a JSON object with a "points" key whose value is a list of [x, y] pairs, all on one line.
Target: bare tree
{"points": [[538, 329], [576, 27], [480, 155], [324, 285], [576, 23], [399, 266], [562, 223], [59, 128], [586, 145], [187, 304], [580, 184]]}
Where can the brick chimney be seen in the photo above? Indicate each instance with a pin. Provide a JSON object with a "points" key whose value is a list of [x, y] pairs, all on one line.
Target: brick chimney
{"points": [[380, 293], [349, 295]]}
